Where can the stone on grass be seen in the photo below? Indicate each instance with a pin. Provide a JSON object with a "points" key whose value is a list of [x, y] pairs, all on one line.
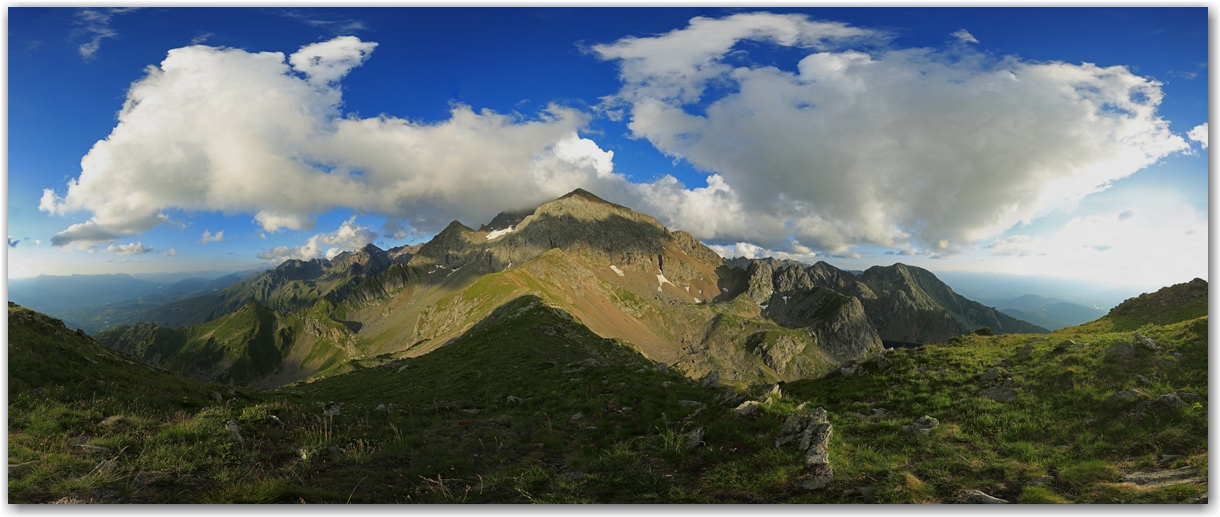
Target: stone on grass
{"points": [[577, 416], [115, 420], [978, 496], [1064, 345], [1121, 349], [990, 375], [1025, 350], [1163, 478], [1127, 396], [105, 467], [1187, 396], [883, 363], [514, 399], [1147, 342], [922, 426], [691, 403], [747, 408], [1000, 394], [1162, 363], [20, 469], [232, 427]]}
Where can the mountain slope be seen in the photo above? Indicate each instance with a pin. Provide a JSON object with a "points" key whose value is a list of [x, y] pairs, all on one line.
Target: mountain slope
{"points": [[618, 272]]}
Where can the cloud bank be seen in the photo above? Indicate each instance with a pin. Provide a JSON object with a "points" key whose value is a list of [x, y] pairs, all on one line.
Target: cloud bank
{"points": [[924, 150], [905, 148]]}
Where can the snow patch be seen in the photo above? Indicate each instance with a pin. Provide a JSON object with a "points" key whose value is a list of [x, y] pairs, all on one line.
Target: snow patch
{"points": [[697, 300], [688, 289], [785, 299], [661, 278], [616, 270], [763, 306], [498, 233], [724, 289]]}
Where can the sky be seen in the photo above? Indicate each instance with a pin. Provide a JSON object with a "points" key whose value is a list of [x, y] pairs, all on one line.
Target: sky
{"points": [[1026, 141]]}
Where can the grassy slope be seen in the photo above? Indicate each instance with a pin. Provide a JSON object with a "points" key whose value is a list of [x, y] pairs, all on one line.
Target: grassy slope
{"points": [[440, 428]]}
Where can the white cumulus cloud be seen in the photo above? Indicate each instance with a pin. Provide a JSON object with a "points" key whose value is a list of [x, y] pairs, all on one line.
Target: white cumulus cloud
{"points": [[1199, 134], [208, 236], [133, 248], [964, 36], [169, 253], [349, 236]]}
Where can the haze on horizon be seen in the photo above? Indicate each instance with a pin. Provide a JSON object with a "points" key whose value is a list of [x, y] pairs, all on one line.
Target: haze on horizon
{"points": [[859, 137]]}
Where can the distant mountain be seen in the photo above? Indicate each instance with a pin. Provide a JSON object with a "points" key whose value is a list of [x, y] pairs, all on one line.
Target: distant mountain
{"points": [[54, 294], [1051, 313], [616, 271]]}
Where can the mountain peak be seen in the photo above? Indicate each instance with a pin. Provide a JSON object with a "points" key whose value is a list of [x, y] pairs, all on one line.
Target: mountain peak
{"points": [[581, 193]]}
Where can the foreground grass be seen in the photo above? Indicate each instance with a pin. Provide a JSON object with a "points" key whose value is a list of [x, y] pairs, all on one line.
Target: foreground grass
{"points": [[535, 408]]}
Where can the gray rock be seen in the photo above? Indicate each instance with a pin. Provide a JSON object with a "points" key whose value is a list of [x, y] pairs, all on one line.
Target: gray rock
{"points": [[1025, 350], [883, 363], [1127, 396], [1171, 400], [232, 427], [747, 408], [978, 496], [816, 478], [711, 380], [817, 456], [577, 416], [1063, 346], [691, 403], [1187, 396], [1039, 481], [1000, 394], [333, 411], [574, 476], [878, 414], [694, 438], [1177, 355], [1147, 342], [1143, 380], [1166, 458], [1162, 363], [774, 392], [851, 369], [113, 421], [69, 499], [662, 367], [216, 395], [20, 469], [1121, 349], [1163, 478], [990, 375], [922, 425]]}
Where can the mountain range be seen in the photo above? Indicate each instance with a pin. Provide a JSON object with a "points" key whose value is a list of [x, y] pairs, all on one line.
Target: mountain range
{"points": [[616, 271]]}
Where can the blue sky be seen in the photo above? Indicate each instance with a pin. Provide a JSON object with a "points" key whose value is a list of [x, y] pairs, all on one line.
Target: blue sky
{"points": [[1024, 141]]}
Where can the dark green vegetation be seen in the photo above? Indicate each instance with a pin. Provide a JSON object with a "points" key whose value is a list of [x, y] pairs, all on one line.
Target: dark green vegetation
{"points": [[528, 405]]}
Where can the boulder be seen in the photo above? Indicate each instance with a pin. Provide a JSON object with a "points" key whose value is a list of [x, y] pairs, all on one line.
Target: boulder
{"points": [[990, 375], [747, 408], [19, 469], [1127, 396], [1064, 346], [1147, 342], [1187, 396], [1121, 349], [816, 478], [1025, 350], [711, 380], [1000, 394], [232, 427], [1163, 363], [691, 403], [883, 363], [922, 426]]}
